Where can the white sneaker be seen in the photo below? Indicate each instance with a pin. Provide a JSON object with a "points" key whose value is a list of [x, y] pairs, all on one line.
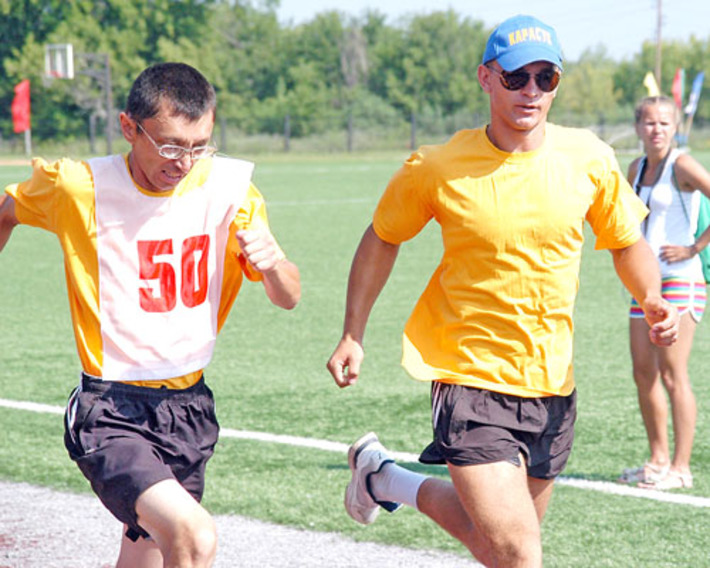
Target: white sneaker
{"points": [[366, 457], [647, 473]]}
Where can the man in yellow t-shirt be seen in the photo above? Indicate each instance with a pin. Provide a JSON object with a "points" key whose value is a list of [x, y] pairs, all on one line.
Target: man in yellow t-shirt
{"points": [[156, 244], [493, 329]]}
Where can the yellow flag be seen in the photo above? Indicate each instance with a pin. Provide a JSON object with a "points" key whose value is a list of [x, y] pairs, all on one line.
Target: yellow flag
{"points": [[649, 81]]}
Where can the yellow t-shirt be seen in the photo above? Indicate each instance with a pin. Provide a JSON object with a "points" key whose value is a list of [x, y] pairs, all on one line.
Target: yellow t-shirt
{"points": [[60, 198], [497, 312]]}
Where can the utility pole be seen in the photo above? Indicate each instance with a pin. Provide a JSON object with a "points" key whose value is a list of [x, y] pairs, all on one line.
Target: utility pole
{"points": [[659, 25]]}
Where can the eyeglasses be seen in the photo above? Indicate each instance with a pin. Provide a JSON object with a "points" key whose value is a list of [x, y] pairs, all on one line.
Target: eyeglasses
{"points": [[547, 79], [174, 152]]}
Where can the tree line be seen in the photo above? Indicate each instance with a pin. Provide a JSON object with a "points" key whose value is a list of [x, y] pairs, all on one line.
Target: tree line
{"points": [[319, 74]]}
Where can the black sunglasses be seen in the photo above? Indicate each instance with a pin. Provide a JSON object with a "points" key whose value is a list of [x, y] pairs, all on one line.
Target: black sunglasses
{"points": [[547, 79]]}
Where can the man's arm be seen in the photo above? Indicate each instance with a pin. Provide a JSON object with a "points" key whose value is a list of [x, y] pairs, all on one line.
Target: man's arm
{"points": [[283, 284], [638, 270], [281, 278], [8, 220], [369, 272]]}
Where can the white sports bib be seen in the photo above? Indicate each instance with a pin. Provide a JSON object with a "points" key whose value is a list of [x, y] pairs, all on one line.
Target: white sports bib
{"points": [[160, 269]]}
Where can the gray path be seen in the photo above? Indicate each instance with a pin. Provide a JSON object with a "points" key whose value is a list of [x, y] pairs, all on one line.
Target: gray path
{"points": [[41, 528]]}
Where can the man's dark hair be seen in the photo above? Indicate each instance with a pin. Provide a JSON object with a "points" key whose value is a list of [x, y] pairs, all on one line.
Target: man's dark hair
{"points": [[184, 88]]}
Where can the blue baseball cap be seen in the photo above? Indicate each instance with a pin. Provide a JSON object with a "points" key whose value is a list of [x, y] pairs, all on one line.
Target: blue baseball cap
{"points": [[521, 40]]}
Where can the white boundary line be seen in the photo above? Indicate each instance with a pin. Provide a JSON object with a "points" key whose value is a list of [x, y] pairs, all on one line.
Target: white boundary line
{"points": [[338, 447]]}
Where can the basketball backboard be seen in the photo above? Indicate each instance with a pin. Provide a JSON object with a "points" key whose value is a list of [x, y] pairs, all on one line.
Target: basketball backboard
{"points": [[59, 61]]}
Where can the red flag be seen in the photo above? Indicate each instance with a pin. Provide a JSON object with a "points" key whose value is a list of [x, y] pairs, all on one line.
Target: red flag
{"points": [[21, 107], [677, 88]]}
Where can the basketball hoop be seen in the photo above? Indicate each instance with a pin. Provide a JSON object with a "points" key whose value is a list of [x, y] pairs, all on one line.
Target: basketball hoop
{"points": [[59, 64]]}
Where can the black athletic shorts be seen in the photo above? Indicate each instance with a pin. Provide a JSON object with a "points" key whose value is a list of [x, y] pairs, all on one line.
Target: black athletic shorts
{"points": [[474, 426], [126, 438]]}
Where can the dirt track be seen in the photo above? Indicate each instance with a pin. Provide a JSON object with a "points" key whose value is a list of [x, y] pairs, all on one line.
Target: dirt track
{"points": [[40, 528], [15, 162]]}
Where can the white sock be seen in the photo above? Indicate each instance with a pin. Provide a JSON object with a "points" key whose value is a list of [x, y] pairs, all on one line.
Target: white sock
{"points": [[395, 483]]}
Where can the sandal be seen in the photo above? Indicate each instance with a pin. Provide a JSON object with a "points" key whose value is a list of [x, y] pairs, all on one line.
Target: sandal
{"points": [[672, 480], [647, 473]]}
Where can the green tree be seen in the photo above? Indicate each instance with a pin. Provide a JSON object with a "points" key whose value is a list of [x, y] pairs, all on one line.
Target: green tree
{"points": [[24, 29], [133, 33], [432, 64], [319, 73], [587, 92]]}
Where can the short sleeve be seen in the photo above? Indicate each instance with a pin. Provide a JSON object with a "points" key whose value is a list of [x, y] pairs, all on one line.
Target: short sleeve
{"points": [[42, 200], [616, 213], [405, 207]]}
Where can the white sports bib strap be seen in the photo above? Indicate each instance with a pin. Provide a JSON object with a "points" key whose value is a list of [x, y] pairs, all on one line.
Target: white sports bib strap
{"points": [[673, 218], [161, 262], [664, 175]]}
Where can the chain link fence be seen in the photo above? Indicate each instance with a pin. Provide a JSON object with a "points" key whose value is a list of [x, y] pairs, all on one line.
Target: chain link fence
{"points": [[342, 133]]}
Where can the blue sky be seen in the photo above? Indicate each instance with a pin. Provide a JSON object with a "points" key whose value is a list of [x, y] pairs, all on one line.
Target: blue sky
{"points": [[620, 25]]}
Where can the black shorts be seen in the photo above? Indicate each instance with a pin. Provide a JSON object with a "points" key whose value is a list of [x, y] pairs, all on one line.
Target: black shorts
{"points": [[474, 426], [126, 438]]}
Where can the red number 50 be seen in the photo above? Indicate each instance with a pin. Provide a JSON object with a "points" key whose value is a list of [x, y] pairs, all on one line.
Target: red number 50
{"points": [[193, 273]]}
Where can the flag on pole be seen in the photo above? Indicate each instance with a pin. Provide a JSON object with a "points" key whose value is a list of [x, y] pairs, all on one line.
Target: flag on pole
{"points": [[20, 107], [695, 94], [678, 87], [649, 81]]}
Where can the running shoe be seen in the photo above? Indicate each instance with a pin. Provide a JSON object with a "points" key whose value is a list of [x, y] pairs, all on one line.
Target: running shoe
{"points": [[366, 458]]}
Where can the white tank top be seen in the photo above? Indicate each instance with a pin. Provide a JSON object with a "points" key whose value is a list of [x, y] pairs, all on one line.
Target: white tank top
{"points": [[161, 260], [667, 223]]}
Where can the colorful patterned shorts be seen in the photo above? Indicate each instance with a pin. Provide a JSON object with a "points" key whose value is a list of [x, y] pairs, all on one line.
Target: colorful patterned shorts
{"points": [[683, 294]]}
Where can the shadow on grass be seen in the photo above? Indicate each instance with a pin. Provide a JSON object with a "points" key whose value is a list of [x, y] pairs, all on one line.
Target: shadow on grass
{"points": [[590, 477]]}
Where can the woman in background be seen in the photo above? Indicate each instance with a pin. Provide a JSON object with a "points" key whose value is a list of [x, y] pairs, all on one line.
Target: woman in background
{"points": [[670, 183]]}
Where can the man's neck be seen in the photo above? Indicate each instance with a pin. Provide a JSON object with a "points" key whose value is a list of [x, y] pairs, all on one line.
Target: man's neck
{"points": [[513, 141]]}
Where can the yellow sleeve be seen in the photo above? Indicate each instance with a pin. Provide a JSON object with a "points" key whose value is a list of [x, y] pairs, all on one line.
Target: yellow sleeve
{"points": [[49, 195], [403, 209], [616, 212]]}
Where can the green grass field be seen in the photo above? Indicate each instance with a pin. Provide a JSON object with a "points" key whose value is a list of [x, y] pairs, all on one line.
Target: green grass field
{"points": [[269, 376]]}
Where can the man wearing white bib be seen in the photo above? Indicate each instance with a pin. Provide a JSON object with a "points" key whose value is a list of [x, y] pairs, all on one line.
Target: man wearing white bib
{"points": [[156, 244]]}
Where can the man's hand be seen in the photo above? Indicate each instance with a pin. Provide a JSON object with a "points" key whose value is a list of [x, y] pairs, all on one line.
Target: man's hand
{"points": [[370, 269], [260, 249], [663, 319], [344, 363], [281, 278]]}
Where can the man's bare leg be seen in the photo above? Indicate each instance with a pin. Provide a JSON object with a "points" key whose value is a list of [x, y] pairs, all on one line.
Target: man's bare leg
{"points": [[183, 532], [495, 510]]}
